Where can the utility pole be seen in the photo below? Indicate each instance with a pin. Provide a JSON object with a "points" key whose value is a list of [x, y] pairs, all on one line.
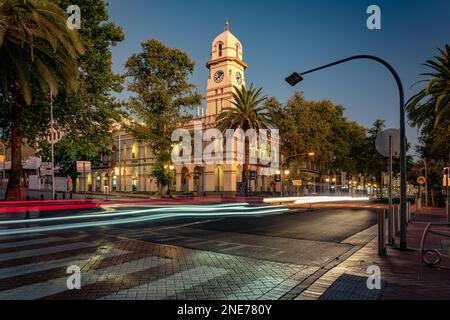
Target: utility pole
{"points": [[52, 145], [120, 168]]}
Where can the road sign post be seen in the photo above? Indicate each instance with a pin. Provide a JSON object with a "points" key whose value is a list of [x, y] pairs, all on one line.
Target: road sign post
{"points": [[388, 145]]}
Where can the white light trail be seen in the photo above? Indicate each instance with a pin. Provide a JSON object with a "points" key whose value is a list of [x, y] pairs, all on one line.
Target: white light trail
{"points": [[316, 199], [242, 211]]}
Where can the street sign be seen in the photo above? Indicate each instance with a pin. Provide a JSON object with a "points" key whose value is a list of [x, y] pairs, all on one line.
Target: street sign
{"points": [[296, 183], [382, 142], [421, 180], [83, 166]]}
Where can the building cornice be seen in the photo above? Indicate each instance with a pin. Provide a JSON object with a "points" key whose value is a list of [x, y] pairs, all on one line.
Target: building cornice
{"points": [[224, 59]]}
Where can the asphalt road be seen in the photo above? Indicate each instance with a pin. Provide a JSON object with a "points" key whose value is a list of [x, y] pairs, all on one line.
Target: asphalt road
{"points": [[314, 237]]}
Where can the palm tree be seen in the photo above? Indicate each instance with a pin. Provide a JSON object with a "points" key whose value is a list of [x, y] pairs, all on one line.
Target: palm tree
{"points": [[432, 104], [38, 55], [247, 112]]}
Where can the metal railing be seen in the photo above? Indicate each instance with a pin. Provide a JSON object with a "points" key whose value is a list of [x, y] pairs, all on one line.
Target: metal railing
{"points": [[437, 252]]}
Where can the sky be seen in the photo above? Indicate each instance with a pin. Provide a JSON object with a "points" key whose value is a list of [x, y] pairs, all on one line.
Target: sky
{"points": [[279, 37]]}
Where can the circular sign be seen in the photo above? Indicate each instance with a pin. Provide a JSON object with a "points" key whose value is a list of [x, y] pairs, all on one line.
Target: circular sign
{"points": [[421, 180], [382, 142]]}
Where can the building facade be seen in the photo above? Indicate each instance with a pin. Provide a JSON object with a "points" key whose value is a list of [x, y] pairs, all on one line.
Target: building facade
{"points": [[129, 167]]}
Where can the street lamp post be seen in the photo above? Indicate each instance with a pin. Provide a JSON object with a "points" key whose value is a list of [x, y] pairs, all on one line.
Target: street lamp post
{"points": [[296, 78]]}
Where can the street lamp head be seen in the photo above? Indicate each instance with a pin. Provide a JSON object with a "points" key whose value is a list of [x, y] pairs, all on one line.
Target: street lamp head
{"points": [[286, 172], [278, 172], [311, 154], [294, 78], [171, 167]]}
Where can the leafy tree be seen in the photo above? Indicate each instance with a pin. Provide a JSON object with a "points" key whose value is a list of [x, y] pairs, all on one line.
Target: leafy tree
{"points": [[247, 112], [158, 76], [371, 162], [319, 127], [93, 108], [85, 117], [72, 148], [38, 55]]}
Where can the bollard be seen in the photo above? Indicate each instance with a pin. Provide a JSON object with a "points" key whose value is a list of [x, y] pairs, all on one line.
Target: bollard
{"points": [[396, 209], [408, 212], [391, 227], [381, 218]]}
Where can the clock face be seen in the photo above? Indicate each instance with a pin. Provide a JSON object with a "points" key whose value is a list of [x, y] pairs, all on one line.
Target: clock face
{"points": [[218, 76], [239, 77]]}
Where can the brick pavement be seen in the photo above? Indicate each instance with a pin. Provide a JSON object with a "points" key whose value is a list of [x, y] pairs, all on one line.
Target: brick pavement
{"points": [[34, 267], [403, 274]]}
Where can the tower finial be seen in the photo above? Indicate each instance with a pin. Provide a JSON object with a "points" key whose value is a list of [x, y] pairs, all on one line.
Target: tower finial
{"points": [[227, 25]]}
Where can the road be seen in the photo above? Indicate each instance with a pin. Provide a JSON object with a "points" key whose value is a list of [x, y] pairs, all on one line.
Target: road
{"points": [[305, 237], [248, 257]]}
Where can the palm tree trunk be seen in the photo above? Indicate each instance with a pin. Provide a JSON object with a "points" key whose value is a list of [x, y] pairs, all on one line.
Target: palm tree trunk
{"points": [[246, 166], [14, 189]]}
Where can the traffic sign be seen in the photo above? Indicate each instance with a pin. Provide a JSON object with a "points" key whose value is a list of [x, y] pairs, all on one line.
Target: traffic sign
{"points": [[421, 180], [382, 142]]}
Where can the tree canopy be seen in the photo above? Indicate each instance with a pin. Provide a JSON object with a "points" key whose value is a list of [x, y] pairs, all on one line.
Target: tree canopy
{"points": [[158, 76]]}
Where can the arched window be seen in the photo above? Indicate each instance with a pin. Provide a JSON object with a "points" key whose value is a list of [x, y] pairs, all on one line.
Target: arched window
{"points": [[237, 50], [220, 49]]}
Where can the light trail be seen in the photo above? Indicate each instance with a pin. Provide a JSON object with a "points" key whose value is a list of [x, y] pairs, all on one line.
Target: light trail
{"points": [[323, 199], [313, 199], [173, 209], [248, 211]]}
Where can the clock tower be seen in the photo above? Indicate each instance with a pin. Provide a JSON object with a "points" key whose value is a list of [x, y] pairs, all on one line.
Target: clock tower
{"points": [[226, 69]]}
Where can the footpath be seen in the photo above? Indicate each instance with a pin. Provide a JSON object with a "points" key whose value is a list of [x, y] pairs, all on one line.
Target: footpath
{"points": [[403, 274]]}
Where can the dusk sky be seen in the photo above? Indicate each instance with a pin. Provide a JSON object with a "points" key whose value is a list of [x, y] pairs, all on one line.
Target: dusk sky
{"points": [[279, 37]]}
